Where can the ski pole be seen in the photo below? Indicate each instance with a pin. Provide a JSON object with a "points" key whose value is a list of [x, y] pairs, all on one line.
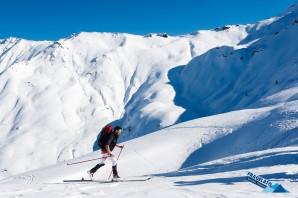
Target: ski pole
{"points": [[117, 160], [85, 161]]}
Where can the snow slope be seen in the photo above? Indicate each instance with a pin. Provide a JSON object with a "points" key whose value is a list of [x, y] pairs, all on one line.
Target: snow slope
{"points": [[236, 88], [56, 96], [263, 64], [218, 173]]}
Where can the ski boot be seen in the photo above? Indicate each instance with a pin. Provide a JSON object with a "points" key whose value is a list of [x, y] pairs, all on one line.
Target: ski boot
{"points": [[90, 174], [115, 174]]}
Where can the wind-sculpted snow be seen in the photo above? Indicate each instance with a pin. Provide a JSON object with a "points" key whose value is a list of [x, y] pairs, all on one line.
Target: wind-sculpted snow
{"points": [[56, 96], [198, 111], [225, 78], [222, 172]]}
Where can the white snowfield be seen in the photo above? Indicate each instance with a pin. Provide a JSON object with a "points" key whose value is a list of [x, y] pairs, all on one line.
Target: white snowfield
{"points": [[222, 147], [198, 111]]}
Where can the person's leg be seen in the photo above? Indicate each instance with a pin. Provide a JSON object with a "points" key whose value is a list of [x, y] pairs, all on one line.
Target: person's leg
{"points": [[114, 167], [96, 167], [113, 160], [99, 165]]}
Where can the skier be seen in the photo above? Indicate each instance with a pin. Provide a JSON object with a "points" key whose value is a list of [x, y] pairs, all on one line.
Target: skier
{"points": [[107, 142]]}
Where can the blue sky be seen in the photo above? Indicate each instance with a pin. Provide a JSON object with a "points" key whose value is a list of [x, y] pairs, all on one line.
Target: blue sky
{"points": [[54, 19]]}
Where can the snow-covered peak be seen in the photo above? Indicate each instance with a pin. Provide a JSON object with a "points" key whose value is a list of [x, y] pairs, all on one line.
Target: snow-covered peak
{"points": [[227, 78], [56, 95]]}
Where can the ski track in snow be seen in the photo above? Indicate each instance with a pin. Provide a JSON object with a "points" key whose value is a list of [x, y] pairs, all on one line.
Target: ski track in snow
{"points": [[227, 175]]}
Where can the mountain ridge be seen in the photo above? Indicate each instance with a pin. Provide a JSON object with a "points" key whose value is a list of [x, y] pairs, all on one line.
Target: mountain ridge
{"points": [[55, 96]]}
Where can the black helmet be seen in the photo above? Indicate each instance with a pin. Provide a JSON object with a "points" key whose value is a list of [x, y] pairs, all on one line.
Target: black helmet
{"points": [[117, 128]]}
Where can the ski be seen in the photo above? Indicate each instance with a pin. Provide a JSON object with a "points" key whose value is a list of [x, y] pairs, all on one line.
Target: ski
{"points": [[107, 181], [132, 179], [77, 180]]}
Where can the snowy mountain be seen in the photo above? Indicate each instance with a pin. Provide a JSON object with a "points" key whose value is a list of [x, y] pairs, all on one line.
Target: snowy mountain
{"points": [[263, 64], [56, 96], [211, 104]]}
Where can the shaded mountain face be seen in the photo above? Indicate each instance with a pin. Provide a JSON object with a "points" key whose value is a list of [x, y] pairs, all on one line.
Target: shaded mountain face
{"points": [[56, 96], [263, 64]]}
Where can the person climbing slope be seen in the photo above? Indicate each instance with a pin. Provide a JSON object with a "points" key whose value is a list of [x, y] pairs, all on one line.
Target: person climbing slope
{"points": [[107, 142]]}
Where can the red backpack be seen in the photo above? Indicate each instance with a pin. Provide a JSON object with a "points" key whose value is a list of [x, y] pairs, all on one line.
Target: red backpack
{"points": [[105, 131]]}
